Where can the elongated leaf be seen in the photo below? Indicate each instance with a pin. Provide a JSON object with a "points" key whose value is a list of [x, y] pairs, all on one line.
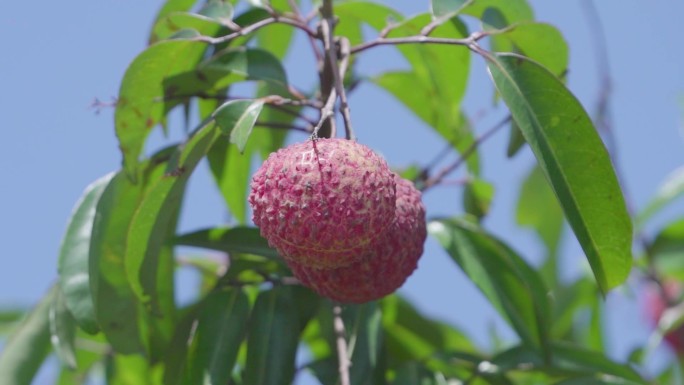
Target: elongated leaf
{"points": [[365, 332], [221, 329], [156, 213], [223, 69], [73, 257], [236, 118], [117, 309], [355, 14], [516, 140], [62, 331], [477, 197], [541, 42], [569, 360], [668, 251], [272, 339], [170, 6], [29, 344], [509, 283], [131, 370], [671, 189], [538, 209], [514, 11], [172, 23], [445, 7], [409, 335], [435, 86], [89, 350], [232, 240], [9, 317], [574, 160], [139, 106]]}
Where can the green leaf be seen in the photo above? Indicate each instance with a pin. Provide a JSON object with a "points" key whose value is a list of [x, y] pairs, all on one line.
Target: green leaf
{"points": [[366, 338], [237, 118], [513, 11], [670, 190], [354, 14], [516, 140], [170, 6], [541, 42], [218, 10], [538, 209], [436, 84], [238, 239], [138, 107], [668, 251], [510, 284], [153, 219], [221, 328], [410, 335], [445, 7], [566, 360], [62, 331], [89, 351], [29, 344], [132, 370], [117, 310], [9, 317], [272, 338], [73, 266], [477, 197], [574, 160], [171, 24]]}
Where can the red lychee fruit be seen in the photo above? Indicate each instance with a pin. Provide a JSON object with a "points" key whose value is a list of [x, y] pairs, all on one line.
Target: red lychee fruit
{"points": [[321, 203], [385, 265], [656, 302]]}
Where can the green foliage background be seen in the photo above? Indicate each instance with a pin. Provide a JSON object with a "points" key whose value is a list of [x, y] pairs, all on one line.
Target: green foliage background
{"points": [[111, 313]]}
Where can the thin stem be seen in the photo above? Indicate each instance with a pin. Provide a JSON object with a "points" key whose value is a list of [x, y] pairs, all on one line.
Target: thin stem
{"points": [[256, 26], [341, 342], [437, 179], [327, 112], [338, 72], [468, 41]]}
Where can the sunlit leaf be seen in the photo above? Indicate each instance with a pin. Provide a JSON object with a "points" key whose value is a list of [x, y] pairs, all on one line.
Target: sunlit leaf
{"points": [[446, 7], [231, 240], [574, 160], [477, 197], [28, 345], [74, 277], [355, 14], [237, 118], [221, 327], [435, 86], [508, 282], [168, 26], [170, 6], [513, 10], [62, 331], [272, 338], [140, 104], [156, 214]]}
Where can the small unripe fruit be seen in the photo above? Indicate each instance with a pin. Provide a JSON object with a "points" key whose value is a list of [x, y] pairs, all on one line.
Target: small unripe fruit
{"points": [[385, 265], [321, 203]]}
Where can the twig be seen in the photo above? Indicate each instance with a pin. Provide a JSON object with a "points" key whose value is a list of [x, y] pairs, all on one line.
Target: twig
{"points": [[285, 126], [327, 112], [256, 26], [338, 72], [437, 21], [342, 352], [465, 154], [418, 39]]}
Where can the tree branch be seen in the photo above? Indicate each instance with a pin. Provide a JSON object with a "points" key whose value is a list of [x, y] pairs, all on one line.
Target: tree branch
{"points": [[469, 41], [437, 179], [276, 19], [341, 342]]}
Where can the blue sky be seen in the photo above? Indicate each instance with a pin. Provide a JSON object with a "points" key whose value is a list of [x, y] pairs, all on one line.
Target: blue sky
{"points": [[59, 56]]}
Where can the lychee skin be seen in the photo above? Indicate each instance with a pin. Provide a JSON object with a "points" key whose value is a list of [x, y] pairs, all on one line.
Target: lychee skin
{"points": [[321, 203], [385, 266], [655, 305]]}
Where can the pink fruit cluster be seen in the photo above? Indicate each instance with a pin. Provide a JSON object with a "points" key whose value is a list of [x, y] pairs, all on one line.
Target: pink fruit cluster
{"points": [[347, 226]]}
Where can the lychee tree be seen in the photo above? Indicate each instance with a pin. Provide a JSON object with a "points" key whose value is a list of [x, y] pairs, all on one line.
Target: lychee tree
{"points": [[335, 230]]}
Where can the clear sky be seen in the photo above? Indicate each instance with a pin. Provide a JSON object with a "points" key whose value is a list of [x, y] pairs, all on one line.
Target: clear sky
{"points": [[59, 56]]}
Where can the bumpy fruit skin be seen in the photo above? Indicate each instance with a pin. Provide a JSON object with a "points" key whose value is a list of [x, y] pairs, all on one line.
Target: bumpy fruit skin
{"points": [[386, 264], [321, 203]]}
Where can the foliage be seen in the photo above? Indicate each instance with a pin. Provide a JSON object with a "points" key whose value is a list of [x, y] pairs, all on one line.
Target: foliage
{"points": [[113, 305]]}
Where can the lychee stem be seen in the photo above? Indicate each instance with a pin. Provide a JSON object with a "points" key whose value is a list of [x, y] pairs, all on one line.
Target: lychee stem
{"points": [[342, 353]]}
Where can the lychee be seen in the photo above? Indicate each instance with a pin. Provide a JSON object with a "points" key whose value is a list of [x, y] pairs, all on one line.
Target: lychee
{"points": [[385, 265], [321, 203], [656, 302]]}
